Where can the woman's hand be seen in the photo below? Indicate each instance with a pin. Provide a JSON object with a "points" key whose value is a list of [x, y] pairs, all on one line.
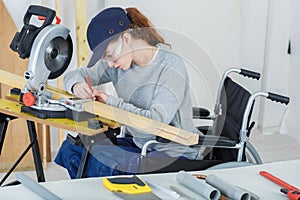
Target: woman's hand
{"points": [[100, 96], [82, 90]]}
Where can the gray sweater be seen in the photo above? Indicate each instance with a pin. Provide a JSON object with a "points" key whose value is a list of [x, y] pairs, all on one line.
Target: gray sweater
{"points": [[159, 91]]}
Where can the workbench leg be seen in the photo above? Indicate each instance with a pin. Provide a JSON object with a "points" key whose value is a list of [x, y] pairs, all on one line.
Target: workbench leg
{"points": [[3, 128], [36, 152], [83, 161], [88, 141]]}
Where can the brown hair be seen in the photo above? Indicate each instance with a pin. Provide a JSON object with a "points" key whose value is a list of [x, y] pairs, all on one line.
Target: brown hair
{"points": [[142, 28]]}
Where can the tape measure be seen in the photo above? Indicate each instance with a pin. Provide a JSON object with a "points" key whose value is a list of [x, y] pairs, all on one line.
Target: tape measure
{"points": [[129, 187]]}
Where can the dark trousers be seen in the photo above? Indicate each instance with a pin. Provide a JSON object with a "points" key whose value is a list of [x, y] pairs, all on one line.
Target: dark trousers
{"points": [[106, 158]]}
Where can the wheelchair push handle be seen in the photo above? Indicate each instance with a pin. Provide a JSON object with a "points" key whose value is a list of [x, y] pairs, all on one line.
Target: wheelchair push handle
{"points": [[278, 98], [250, 74]]}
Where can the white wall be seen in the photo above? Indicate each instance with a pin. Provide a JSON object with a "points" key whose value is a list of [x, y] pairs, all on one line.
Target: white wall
{"points": [[206, 32], [276, 65], [254, 14], [265, 34], [290, 123]]}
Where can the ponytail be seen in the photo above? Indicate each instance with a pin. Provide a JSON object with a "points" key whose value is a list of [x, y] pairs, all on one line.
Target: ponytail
{"points": [[142, 28]]}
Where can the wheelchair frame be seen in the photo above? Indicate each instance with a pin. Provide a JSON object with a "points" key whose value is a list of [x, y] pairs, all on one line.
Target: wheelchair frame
{"points": [[250, 152]]}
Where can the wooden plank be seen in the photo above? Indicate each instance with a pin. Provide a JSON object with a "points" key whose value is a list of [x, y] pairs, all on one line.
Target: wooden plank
{"points": [[14, 80], [81, 28], [142, 123], [14, 109]]}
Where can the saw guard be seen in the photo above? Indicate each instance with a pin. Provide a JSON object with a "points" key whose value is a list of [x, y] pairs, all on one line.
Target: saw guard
{"points": [[38, 73]]}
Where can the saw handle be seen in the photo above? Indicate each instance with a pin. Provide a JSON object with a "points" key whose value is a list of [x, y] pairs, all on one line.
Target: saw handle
{"points": [[58, 20], [48, 13], [23, 40]]}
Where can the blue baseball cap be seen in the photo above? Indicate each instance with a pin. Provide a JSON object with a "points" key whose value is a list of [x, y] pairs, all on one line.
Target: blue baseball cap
{"points": [[102, 29]]}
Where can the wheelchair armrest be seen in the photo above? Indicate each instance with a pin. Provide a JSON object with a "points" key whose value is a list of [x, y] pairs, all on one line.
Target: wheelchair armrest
{"points": [[216, 141], [204, 129], [162, 140], [207, 140], [200, 113]]}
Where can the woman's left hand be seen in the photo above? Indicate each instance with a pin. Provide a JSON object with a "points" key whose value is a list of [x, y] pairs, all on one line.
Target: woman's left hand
{"points": [[100, 96]]}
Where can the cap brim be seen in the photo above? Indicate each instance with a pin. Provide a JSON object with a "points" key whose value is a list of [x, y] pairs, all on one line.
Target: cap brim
{"points": [[98, 52]]}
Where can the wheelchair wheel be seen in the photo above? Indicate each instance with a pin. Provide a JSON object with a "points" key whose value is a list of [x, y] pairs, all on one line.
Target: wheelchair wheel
{"points": [[252, 155]]}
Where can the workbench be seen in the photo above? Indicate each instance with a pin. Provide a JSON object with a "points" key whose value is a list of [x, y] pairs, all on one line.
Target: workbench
{"points": [[246, 177], [10, 110]]}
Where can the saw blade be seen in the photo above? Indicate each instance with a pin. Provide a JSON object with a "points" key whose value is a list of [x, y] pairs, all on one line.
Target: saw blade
{"points": [[58, 54]]}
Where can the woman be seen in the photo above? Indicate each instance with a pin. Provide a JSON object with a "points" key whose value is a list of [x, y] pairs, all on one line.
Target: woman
{"points": [[150, 80]]}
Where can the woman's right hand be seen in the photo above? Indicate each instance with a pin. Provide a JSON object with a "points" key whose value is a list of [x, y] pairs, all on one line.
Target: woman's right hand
{"points": [[82, 90]]}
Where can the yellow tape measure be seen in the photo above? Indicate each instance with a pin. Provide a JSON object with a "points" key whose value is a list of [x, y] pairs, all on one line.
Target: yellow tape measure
{"points": [[128, 185]]}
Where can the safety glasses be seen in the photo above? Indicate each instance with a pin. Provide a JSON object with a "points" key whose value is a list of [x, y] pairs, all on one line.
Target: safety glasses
{"points": [[114, 53]]}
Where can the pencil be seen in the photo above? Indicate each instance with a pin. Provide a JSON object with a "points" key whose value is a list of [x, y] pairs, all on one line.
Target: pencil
{"points": [[89, 82]]}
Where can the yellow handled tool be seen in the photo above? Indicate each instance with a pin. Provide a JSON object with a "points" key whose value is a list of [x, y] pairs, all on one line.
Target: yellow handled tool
{"points": [[129, 188]]}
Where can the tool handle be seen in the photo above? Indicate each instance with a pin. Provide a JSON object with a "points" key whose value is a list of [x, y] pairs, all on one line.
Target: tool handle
{"points": [[227, 189], [58, 20], [277, 180], [48, 13], [198, 186]]}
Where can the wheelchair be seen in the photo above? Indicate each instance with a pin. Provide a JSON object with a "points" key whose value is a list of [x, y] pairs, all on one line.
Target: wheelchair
{"points": [[227, 140]]}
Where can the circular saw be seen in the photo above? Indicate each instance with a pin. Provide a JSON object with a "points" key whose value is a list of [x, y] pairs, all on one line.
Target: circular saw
{"points": [[49, 49], [49, 58]]}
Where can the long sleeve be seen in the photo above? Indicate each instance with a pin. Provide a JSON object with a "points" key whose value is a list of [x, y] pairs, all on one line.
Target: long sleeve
{"points": [[99, 74], [166, 98]]}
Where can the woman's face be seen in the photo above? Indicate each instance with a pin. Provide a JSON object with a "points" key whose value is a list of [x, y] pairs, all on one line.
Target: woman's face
{"points": [[118, 54]]}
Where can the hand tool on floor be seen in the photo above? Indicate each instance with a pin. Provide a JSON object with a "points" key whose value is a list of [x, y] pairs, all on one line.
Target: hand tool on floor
{"points": [[49, 49], [278, 181], [291, 191], [198, 186], [129, 188]]}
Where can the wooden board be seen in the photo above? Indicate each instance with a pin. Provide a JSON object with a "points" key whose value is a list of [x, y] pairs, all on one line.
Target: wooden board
{"points": [[81, 29], [14, 80], [12, 108], [142, 123], [139, 122]]}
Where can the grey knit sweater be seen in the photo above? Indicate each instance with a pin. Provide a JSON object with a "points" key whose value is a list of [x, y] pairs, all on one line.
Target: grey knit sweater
{"points": [[159, 91]]}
